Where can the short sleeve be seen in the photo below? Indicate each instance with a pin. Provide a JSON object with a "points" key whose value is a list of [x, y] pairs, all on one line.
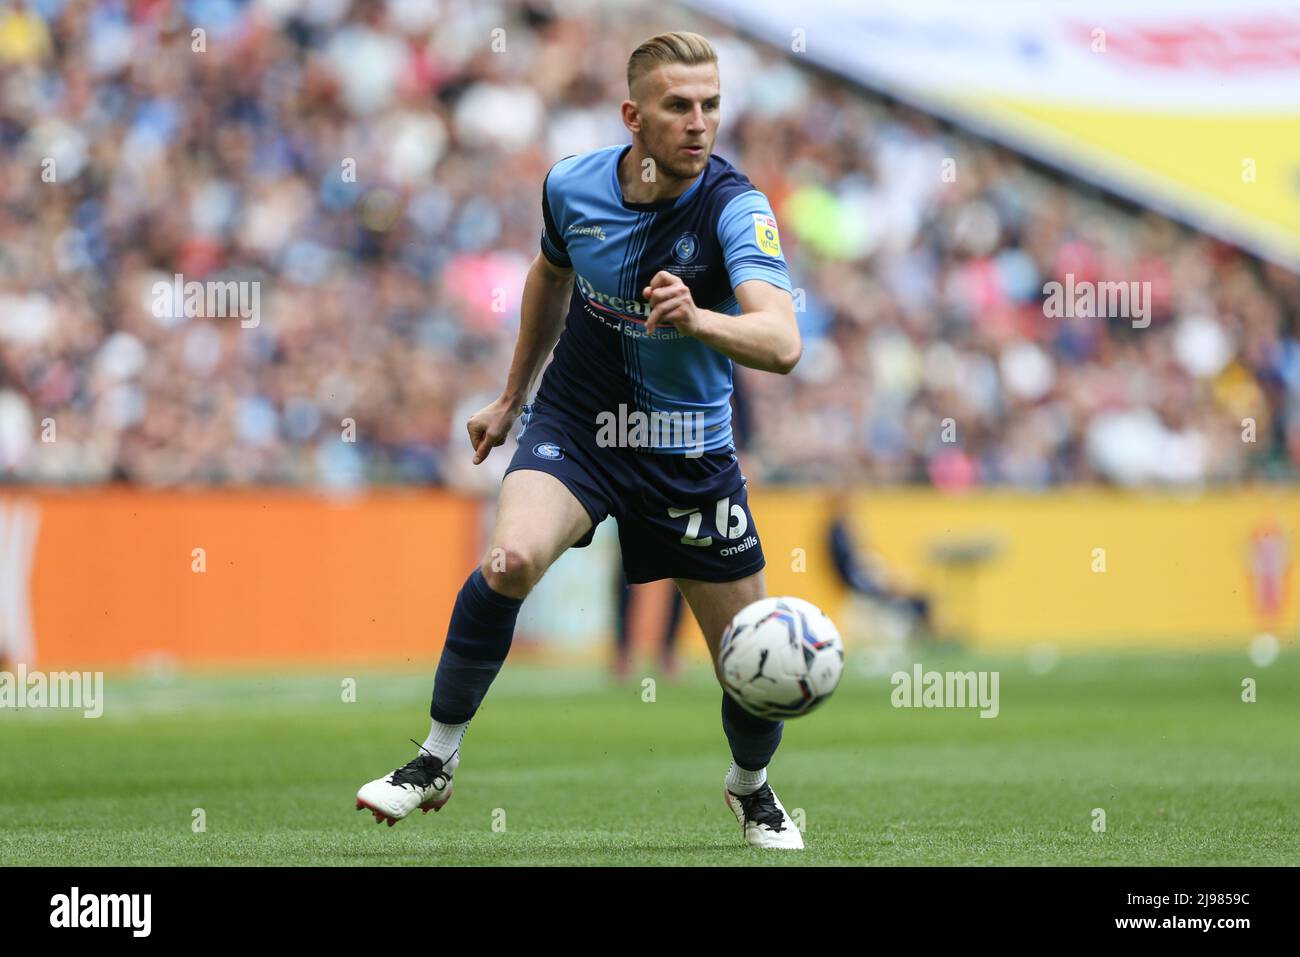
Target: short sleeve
{"points": [[751, 243], [554, 247]]}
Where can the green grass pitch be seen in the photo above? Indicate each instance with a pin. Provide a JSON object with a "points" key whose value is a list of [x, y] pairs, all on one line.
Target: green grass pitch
{"points": [[563, 767]]}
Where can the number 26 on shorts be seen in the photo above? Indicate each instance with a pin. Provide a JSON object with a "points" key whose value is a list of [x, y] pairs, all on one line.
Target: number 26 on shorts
{"points": [[729, 521]]}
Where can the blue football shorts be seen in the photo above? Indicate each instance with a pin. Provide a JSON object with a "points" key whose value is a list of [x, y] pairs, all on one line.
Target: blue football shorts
{"points": [[678, 517]]}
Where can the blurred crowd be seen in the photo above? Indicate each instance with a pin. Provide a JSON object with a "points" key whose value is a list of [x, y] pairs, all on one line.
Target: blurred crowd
{"points": [[376, 168]]}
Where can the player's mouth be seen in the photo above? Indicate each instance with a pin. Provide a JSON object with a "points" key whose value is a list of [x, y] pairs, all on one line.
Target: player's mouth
{"points": [[693, 150]]}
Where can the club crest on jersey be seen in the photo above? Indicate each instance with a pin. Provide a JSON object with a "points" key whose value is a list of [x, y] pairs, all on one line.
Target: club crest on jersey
{"points": [[548, 450], [686, 248], [769, 240]]}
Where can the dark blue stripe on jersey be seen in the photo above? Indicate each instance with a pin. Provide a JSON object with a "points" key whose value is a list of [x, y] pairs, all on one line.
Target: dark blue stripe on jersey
{"points": [[632, 256], [627, 280], [651, 219], [632, 363], [625, 347], [647, 403], [627, 255]]}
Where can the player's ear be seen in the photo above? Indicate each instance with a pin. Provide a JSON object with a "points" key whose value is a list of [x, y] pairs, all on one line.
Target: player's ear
{"points": [[631, 116]]}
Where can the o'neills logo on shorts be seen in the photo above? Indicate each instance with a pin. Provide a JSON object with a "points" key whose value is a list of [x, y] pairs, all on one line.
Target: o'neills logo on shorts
{"points": [[749, 542]]}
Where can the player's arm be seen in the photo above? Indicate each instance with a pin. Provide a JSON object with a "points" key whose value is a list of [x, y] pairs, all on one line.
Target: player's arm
{"points": [[541, 319], [764, 336]]}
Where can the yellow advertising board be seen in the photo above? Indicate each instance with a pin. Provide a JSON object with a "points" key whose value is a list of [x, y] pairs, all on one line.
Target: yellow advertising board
{"points": [[1080, 569]]}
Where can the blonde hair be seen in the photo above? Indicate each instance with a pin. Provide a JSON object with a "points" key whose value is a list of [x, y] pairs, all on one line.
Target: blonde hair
{"points": [[678, 47]]}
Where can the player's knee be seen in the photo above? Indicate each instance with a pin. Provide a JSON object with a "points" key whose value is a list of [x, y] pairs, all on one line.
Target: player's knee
{"points": [[512, 571]]}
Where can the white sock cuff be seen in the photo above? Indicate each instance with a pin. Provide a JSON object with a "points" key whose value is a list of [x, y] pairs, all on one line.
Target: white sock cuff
{"points": [[740, 781], [444, 742]]}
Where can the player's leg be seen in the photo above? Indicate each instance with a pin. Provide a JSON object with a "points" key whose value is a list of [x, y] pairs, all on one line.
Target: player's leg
{"points": [[668, 647], [538, 517], [623, 628], [753, 740], [689, 520], [714, 604]]}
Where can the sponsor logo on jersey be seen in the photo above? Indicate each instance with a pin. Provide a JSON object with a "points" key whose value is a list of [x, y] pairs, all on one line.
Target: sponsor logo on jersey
{"points": [[769, 240], [686, 248], [627, 308], [597, 231], [627, 316], [548, 450]]}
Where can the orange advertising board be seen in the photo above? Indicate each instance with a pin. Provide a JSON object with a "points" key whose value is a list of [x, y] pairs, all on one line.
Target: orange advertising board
{"points": [[120, 577]]}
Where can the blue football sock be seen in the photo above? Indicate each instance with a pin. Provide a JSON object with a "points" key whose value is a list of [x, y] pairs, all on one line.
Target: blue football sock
{"points": [[478, 639], [753, 740]]}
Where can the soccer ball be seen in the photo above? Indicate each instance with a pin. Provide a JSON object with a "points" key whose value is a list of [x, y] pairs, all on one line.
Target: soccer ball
{"points": [[781, 657]]}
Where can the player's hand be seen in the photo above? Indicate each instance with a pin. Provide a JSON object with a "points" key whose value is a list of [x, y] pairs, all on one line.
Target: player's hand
{"points": [[489, 426], [670, 302]]}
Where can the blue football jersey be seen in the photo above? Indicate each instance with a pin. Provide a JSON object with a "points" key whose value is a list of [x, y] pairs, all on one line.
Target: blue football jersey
{"points": [[719, 233]]}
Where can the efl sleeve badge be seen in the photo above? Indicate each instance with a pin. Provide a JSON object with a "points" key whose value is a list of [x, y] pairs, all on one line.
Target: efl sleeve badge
{"points": [[769, 240]]}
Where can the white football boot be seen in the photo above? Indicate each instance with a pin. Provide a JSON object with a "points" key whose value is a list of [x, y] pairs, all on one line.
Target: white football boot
{"points": [[764, 819], [421, 782]]}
